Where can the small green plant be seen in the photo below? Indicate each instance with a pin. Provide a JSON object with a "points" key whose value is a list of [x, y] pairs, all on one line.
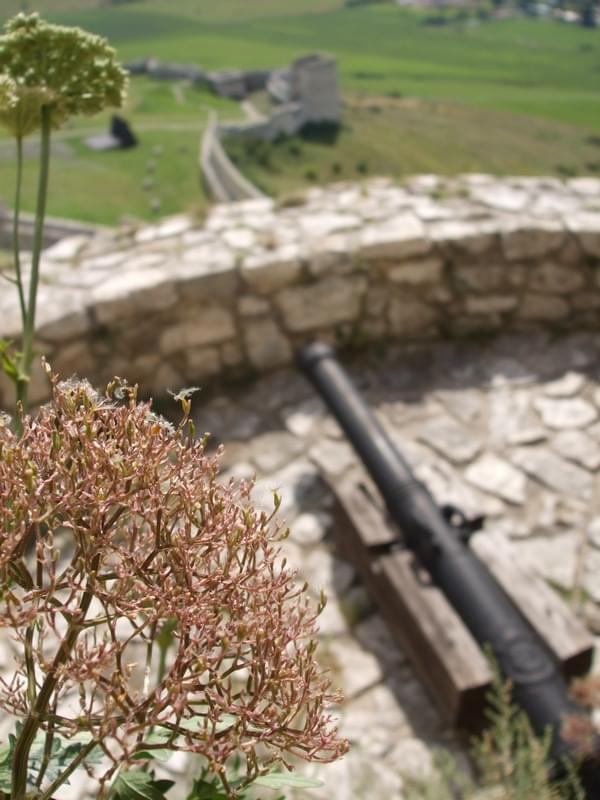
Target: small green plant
{"points": [[48, 73], [511, 762]]}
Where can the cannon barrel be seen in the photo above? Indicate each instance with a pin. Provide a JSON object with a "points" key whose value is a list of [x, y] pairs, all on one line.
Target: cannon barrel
{"points": [[491, 617]]}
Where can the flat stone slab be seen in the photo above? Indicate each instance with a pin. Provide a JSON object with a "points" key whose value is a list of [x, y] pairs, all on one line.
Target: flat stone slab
{"points": [[555, 472], [562, 414], [451, 439], [498, 477]]}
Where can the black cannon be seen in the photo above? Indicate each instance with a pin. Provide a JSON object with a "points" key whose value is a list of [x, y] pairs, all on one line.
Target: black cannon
{"points": [[440, 544]]}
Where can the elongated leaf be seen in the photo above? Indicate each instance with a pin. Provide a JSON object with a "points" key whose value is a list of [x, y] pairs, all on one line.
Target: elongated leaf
{"points": [[5, 768]]}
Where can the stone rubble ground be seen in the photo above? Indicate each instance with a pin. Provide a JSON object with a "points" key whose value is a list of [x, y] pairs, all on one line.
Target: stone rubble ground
{"points": [[508, 427]]}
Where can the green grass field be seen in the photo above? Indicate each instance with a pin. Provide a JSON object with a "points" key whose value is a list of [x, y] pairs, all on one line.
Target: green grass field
{"points": [[399, 138], [518, 95], [534, 67], [168, 120]]}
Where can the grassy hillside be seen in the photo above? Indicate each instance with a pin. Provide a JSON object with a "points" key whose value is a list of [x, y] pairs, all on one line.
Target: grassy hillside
{"points": [[518, 95], [387, 136], [158, 177], [525, 66]]}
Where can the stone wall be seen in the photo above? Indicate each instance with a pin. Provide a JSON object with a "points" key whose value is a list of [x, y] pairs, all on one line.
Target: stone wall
{"points": [[183, 301], [222, 178], [55, 229]]}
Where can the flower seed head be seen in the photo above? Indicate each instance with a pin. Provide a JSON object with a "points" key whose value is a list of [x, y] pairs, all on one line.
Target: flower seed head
{"points": [[67, 70]]}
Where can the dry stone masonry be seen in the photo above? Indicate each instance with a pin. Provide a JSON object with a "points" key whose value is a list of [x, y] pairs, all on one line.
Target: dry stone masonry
{"points": [[184, 301]]}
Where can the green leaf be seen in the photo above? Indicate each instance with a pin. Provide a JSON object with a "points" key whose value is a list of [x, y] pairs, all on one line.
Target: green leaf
{"points": [[279, 780], [6, 768], [134, 784], [204, 790], [8, 361], [158, 753]]}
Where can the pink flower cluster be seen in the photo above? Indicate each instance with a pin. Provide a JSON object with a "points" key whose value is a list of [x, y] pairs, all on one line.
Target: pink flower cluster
{"points": [[116, 538]]}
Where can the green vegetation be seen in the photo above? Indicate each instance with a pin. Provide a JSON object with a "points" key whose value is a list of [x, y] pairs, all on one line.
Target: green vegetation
{"points": [[518, 95], [402, 137], [104, 188], [535, 67]]}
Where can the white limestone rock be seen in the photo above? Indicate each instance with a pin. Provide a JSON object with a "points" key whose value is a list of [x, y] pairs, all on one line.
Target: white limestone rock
{"points": [[498, 477], [548, 468], [274, 449], [569, 385], [451, 439], [472, 236], [268, 270], [565, 413], [399, 237], [133, 291], [553, 557], [309, 528], [333, 458], [577, 446], [66, 249]]}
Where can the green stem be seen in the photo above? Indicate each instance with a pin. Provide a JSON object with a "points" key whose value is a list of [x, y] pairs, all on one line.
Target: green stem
{"points": [[16, 230], [33, 720], [40, 212], [77, 761]]}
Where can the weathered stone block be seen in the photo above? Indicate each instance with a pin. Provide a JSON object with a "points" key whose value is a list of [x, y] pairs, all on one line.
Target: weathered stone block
{"points": [[211, 325], [551, 277], [202, 362], [586, 227], [487, 277], [492, 304], [399, 237], [208, 271], [68, 327], [266, 345], [315, 226], [376, 300], [251, 306], [531, 238], [470, 236], [409, 316], [322, 304], [268, 271], [540, 307], [128, 292], [166, 379], [332, 255], [416, 272]]}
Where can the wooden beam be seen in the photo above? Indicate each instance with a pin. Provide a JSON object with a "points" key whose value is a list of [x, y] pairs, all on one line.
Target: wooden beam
{"points": [[443, 652]]}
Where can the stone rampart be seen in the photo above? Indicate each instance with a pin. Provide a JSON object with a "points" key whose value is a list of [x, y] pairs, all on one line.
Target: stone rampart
{"points": [[183, 302], [223, 179]]}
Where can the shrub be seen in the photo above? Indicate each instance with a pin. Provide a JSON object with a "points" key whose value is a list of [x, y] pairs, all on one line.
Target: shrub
{"points": [[148, 600]]}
